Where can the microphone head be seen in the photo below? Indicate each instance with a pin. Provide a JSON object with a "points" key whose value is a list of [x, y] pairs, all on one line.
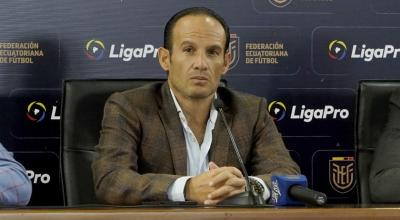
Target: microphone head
{"points": [[218, 103], [280, 189]]}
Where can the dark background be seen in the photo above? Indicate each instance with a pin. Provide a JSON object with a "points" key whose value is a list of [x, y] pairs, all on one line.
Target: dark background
{"points": [[306, 75]]}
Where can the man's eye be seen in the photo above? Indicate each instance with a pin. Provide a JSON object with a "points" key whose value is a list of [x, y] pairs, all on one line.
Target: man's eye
{"points": [[188, 49], [213, 52]]}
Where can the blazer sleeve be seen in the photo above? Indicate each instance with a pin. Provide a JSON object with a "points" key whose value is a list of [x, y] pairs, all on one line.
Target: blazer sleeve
{"points": [[115, 167], [385, 169], [270, 155]]}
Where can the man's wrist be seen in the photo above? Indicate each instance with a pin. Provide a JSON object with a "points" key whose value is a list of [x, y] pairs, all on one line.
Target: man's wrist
{"points": [[176, 190], [186, 191]]}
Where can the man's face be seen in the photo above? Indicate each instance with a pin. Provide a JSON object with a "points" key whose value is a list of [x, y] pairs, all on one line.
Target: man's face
{"points": [[197, 60]]}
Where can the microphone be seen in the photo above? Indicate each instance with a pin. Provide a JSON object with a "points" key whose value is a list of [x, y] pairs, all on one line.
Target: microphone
{"points": [[293, 190], [250, 196]]}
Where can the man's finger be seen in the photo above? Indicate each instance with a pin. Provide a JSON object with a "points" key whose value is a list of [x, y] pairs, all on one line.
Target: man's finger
{"points": [[218, 200], [236, 171], [220, 178], [224, 173], [221, 192], [232, 170], [212, 166], [236, 182], [211, 202]]}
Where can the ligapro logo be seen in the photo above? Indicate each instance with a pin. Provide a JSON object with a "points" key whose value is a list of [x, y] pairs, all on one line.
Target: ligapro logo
{"points": [[97, 50], [36, 111], [94, 49], [277, 110], [338, 49], [37, 178]]}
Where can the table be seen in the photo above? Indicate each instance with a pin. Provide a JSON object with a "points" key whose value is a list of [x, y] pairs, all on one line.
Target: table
{"points": [[202, 213]]}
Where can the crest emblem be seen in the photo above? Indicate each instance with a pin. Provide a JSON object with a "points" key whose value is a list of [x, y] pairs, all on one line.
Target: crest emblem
{"points": [[234, 50], [342, 174]]}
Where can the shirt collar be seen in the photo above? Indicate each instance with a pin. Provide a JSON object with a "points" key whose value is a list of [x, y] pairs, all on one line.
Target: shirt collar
{"points": [[213, 110]]}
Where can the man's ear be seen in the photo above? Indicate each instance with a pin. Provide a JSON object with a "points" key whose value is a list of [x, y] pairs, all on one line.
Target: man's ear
{"points": [[227, 60], [164, 58]]}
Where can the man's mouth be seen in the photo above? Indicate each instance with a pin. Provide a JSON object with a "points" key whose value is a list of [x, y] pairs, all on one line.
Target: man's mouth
{"points": [[199, 77]]}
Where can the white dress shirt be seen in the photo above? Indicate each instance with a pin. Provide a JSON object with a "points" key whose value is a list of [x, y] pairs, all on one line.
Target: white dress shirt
{"points": [[197, 155]]}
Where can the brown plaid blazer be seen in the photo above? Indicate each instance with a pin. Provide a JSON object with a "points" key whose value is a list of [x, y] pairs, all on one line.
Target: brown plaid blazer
{"points": [[142, 149]]}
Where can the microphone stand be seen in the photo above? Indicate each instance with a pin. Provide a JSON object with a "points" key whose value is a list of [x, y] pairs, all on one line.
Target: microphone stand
{"points": [[249, 196]]}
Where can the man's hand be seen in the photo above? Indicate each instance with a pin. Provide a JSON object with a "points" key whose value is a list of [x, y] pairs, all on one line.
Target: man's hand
{"points": [[215, 185]]}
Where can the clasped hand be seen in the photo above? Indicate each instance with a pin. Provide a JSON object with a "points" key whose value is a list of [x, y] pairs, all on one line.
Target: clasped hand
{"points": [[215, 185]]}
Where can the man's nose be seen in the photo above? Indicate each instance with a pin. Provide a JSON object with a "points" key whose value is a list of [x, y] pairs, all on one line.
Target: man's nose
{"points": [[200, 62]]}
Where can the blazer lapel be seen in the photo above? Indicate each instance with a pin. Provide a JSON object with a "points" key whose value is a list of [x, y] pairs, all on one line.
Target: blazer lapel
{"points": [[173, 129], [221, 144]]}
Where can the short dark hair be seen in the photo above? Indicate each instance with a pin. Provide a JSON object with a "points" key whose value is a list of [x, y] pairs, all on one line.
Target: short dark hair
{"points": [[193, 11]]}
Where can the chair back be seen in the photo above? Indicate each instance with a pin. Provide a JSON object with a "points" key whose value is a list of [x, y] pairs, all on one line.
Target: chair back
{"points": [[82, 112], [372, 108]]}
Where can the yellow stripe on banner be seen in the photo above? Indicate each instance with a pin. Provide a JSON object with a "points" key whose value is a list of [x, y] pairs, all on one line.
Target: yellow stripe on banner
{"points": [[342, 158], [338, 158]]}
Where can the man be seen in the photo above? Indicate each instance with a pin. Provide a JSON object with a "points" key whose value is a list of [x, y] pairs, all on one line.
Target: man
{"points": [[385, 170], [167, 141], [15, 186]]}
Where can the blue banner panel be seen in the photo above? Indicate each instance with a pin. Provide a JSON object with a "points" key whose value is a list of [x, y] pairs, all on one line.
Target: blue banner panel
{"points": [[313, 112], [305, 57], [299, 6], [356, 50], [44, 172], [265, 51], [385, 6], [334, 172], [34, 113]]}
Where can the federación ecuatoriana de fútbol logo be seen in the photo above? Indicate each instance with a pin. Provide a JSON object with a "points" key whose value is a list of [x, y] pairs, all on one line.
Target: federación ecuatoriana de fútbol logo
{"points": [[342, 174], [234, 50]]}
